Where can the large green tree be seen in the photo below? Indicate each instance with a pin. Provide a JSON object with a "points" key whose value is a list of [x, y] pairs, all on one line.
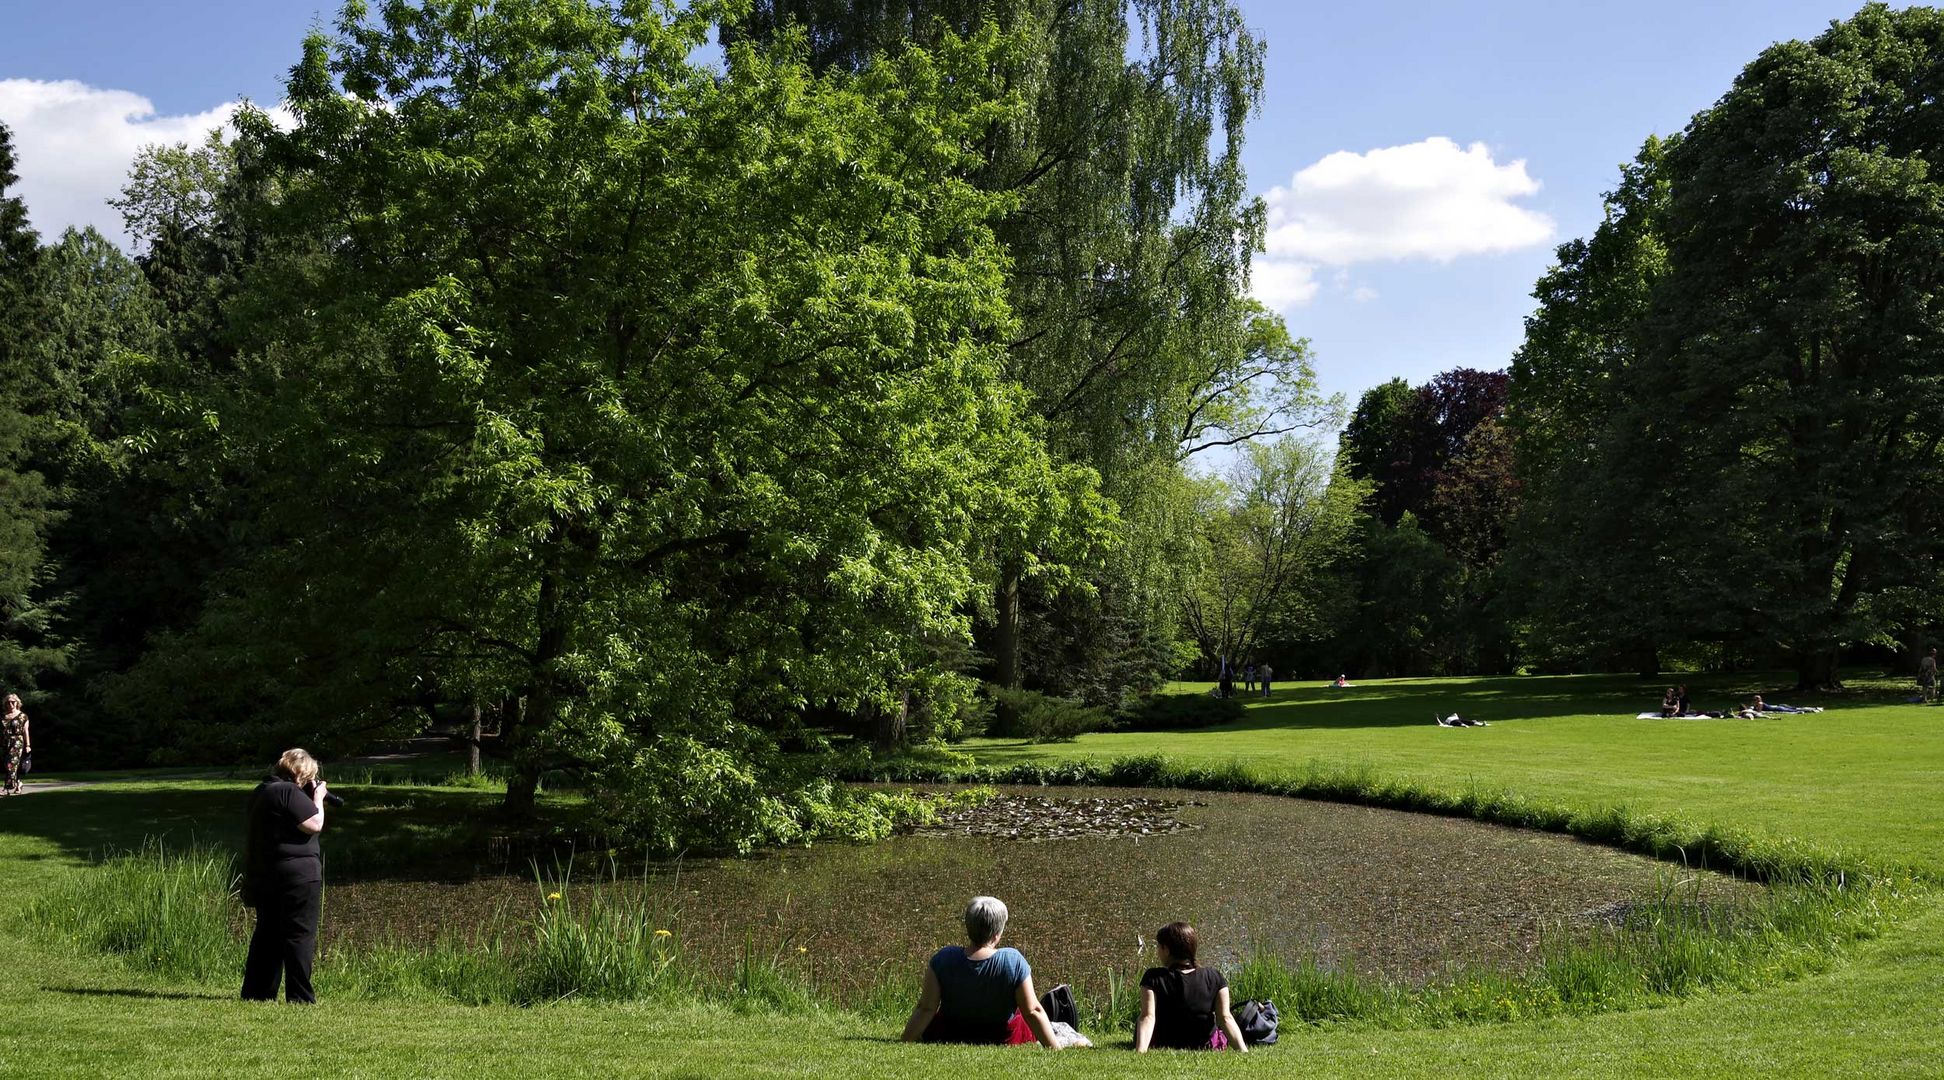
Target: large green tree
{"points": [[1130, 238], [665, 399], [1778, 409], [1587, 560], [27, 507], [1270, 531]]}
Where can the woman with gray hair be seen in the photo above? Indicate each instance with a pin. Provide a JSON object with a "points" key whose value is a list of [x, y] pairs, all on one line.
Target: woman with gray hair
{"points": [[979, 992]]}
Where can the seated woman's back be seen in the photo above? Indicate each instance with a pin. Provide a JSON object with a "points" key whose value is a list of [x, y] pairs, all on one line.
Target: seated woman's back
{"points": [[1187, 1005], [978, 993]]}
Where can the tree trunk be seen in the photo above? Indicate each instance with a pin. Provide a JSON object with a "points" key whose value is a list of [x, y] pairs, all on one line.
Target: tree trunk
{"points": [[889, 733], [1647, 659], [537, 713], [1005, 643], [1005, 649], [1816, 670], [472, 750]]}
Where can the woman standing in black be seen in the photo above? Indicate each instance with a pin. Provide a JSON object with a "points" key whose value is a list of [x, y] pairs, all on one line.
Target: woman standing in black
{"points": [[284, 880], [1184, 1006]]}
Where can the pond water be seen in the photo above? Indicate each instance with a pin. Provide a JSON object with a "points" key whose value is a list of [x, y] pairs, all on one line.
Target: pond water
{"points": [[1090, 873]]}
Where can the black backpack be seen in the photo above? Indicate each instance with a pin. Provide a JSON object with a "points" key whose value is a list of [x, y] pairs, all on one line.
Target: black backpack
{"points": [[1257, 1019], [1059, 1006]]}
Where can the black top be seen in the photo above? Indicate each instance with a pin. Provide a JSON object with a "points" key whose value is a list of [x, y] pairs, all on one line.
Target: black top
{"points": [[276, 845], [1184, 1005]]}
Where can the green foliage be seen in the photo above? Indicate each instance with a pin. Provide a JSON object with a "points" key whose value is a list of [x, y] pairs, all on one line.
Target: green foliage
{"points": [[1027, 714], [1269, 535], [551, 425], [1176, 712], [1129, 238], [28, 509], [1423, 592], [1729, 399]]}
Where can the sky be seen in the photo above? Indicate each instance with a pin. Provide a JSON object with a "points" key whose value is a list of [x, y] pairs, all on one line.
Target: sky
{"points": [[1421, 159]]}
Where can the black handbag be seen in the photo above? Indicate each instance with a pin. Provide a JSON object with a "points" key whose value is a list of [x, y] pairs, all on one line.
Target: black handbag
{"points": [[1059, 1006], [1257, 1019], [26, 763]]}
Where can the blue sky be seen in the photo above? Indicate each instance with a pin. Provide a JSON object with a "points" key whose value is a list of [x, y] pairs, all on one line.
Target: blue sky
{"points": [[1408, 261]]}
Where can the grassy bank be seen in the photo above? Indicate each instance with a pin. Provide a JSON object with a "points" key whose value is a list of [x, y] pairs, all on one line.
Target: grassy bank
{"points": [[172, 914]]}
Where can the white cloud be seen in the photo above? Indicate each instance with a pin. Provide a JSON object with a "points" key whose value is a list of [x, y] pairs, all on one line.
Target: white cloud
{"points": [[73, 144], [1427, 200], [1363, 294], [1281, 285]]}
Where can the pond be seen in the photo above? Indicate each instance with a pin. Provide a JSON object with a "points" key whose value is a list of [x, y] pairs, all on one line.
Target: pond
{"points": [[1090, 873]]}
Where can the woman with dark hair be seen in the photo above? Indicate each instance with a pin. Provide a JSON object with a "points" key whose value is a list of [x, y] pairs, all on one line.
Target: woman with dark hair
{"points": [[979, 992], [1184, 1006], [283, 879]]}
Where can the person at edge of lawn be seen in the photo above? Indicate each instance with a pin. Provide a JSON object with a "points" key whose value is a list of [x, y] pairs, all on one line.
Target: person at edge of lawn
{"points": [[978, 992], [283, 879], [1265, 673], [1184, 1006], [17, 735], [1927, 675]]}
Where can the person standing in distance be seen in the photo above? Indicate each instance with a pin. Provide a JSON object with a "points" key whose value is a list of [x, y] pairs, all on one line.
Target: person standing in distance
{"points": [[1926, 675], [18, 738], [283, 879]]}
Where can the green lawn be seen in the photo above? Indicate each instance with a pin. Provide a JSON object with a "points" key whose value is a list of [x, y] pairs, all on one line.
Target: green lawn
{"points": [[1862, 778], [1866, 776]]}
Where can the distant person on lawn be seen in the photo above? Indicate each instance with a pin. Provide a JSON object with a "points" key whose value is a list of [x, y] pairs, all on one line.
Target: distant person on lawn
{"points": [[1927, 675], [1184, 1006], [17, 739], [978, 992], [283, 879], [1266, 673], [1670, 703], [1249, 678]]}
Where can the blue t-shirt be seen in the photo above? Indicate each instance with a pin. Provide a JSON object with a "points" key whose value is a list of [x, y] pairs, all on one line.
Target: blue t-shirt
{"points": [[978, 991]]}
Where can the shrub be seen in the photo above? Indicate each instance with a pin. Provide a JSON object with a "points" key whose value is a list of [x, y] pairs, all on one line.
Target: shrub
{"points": [[1024, 714], [1172, 712]]}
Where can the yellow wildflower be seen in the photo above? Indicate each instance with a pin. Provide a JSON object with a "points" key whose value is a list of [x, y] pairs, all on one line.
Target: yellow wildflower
{"points": [[661, 933], [553, 896]]}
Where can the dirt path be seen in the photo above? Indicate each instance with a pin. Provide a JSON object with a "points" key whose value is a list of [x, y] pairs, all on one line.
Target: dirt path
{"points": [[35, 787]]}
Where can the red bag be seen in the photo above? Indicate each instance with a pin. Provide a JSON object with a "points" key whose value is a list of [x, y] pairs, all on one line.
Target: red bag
{"points": [[1019, 1033]]}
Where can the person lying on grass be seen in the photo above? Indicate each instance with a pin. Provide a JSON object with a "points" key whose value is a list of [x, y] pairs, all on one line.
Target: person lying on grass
{"points": [[1756, 706], [1184, 1006], [979, 992]]}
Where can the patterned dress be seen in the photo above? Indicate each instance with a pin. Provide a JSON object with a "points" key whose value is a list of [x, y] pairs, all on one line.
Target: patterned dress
{"points": [[13, 731]]}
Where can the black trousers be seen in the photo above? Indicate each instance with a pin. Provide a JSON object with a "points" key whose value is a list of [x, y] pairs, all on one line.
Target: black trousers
{"points": [[285, 941]]}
